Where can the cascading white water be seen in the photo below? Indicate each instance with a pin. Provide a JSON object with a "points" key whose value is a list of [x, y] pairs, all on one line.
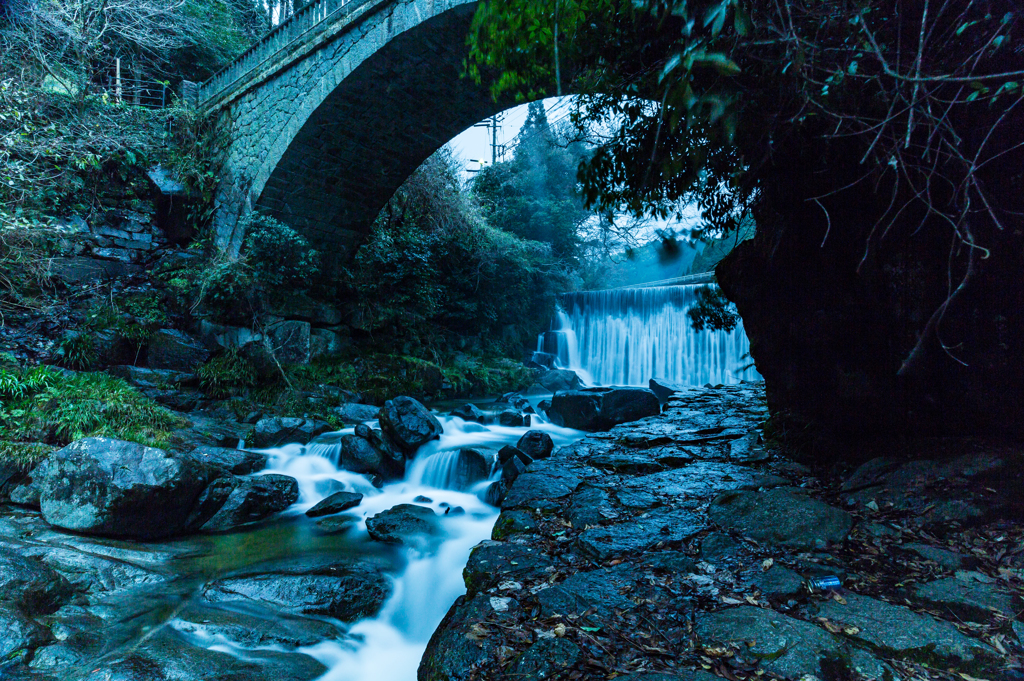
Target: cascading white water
{"points": [[389, 646], [628, 336]]}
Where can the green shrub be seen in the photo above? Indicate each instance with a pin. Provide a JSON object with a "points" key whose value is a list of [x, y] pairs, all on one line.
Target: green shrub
{"points": [[280, 256], [713, 311], [224, 374], [42, 403], [226, 291], [76, 350]]}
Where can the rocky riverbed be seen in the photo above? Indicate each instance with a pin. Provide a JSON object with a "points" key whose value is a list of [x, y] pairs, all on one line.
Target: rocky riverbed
{"points": [[682, 546]]}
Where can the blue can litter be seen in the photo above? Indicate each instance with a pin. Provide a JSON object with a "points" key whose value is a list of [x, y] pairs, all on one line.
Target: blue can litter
{"points": [[829, 583]]}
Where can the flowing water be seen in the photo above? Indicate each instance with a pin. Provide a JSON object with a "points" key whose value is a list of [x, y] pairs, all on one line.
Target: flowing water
{"points": [[389, 646], [629, 336]]}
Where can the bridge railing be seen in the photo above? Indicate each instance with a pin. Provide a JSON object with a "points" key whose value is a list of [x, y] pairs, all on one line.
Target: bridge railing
{"points": [[281, 37]]}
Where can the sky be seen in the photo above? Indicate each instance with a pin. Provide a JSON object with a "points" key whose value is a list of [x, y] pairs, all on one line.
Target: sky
{"points": [[473, 145]]}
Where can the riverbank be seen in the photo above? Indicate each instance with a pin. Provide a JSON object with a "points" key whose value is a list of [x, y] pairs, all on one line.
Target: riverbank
{"points": [[682, 546]]}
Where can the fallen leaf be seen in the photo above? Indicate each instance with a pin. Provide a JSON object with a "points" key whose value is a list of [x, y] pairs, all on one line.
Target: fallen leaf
{"points": [[559, 630], [500, 604], [838, 599], [477, 632], [768, 562]]}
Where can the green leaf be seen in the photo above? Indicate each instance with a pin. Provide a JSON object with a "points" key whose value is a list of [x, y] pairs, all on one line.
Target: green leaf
{"points": [[720, 62]]}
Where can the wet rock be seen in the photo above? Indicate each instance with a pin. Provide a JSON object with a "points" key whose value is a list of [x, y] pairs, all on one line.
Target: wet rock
{"points": [[639, 534], [471, 466], [511, 523], [782, 517], [691, 484], [167, 656], [336, 503], [748, 449], [942, 495], [718, 548], [968, 595], [495, 493], [279, 430], [546, 659], [508, 452], [600, 409], [19, 636], [402, 524], [345, 589], [545, 482], [253, 629], [785, 646], [248, 500], [512, 469], [513, 419], [682, 675], [111, 487], [409, 424], [779, 583], [674, 562], [591, 505], [143, 377], [462, 644], [175, 350], [30, 584], [626, 463], [559, 379], [598, 593], [470, 412], [291, 341], [356, 413], [493, 562], [664, 389], [235, 461], [899, 631], [947, 559], [536, 444], [516, 401]]}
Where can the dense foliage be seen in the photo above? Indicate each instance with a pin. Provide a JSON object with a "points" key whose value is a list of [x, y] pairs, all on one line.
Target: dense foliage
{"points": [[435, 277]]}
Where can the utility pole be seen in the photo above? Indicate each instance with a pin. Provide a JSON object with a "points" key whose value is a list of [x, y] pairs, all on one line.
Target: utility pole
{"points": [[492, 124]]}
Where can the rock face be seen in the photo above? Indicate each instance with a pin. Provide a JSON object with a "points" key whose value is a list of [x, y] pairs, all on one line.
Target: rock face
{"points": [[174, 350], [782, 517], [30, 585], [277, 431], [121, 489], [356, 413], [409, 424], [236, 461], [602, 408], [832, 321], [402, 524], [969, 595]]}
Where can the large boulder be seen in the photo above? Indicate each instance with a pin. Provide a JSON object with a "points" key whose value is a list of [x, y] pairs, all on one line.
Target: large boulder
{"points": [[19, 636], [470, 412], [235, 461], [409, 424], [110, 487], [560, 379], [601, 408], [366, 451], [240, 501], [277, 431], [175, 350], [356, 413], [336, 503]]}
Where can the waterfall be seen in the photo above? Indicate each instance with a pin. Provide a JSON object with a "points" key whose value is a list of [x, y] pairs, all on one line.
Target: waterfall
{"points": [[628, 336]]}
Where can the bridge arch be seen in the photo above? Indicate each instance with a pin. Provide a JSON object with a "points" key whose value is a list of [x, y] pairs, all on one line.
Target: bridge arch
{"points": [[326, 117]]}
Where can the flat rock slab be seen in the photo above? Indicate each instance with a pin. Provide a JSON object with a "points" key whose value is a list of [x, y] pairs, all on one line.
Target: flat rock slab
{"points": [[899, 631], [546, 658], [782, 517], [779, 583], [544, 481], [600, 590], [967, 597], [491, 563], [639, 534], [346, 590], [784, 645]]}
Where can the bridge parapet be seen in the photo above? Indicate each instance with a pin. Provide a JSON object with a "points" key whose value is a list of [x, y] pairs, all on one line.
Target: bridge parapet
{"points": [[304, 27]]}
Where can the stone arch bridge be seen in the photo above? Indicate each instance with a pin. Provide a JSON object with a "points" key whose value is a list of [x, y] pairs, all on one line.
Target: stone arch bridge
{"points": [[329, 113]]}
